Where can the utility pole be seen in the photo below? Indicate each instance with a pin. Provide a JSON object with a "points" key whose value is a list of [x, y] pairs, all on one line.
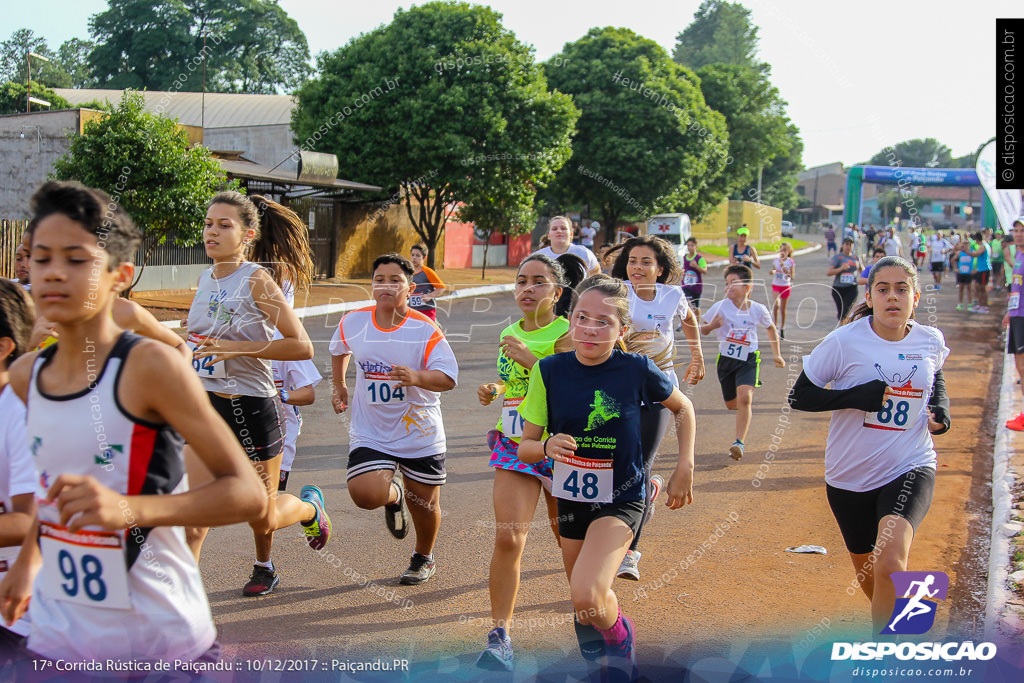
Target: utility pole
{"points": [[28, 91]]}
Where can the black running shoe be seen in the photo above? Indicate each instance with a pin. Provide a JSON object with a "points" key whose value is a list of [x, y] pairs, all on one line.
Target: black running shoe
{"points": [[261, 582]]}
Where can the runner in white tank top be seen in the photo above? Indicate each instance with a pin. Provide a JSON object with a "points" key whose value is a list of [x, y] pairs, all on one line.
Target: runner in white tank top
{"points": [[111, 575]]}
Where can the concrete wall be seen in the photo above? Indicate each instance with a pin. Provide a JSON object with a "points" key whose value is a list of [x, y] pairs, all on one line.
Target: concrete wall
{"points": [[268, 145], [25, 162], [169, 277]]}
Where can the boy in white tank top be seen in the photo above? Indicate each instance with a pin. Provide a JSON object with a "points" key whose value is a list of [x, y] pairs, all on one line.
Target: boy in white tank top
{"points": [[111, 576]]}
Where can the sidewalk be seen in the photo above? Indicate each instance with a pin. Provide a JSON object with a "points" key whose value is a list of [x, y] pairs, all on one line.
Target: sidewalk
{"points": [[173, 304]]}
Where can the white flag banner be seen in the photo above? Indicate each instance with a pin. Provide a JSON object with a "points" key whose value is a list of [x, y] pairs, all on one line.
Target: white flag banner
{"points": [[1006, 202]]}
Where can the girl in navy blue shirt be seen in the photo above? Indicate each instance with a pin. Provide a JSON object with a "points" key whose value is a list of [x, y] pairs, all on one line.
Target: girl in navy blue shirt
{"points": [[589, 400]]}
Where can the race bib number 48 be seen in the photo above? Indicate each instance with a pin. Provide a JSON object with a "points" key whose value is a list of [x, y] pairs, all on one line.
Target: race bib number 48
{"points": [[205, 367], [84, 567], [583, 480], [382, 390], [901, 408]]}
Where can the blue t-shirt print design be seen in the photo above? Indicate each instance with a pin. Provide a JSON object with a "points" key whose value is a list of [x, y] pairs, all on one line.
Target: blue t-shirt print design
{"points": [[599, 406]]}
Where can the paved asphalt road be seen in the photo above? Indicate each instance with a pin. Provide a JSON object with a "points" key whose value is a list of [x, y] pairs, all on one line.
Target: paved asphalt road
{"points": [[714, 577]]}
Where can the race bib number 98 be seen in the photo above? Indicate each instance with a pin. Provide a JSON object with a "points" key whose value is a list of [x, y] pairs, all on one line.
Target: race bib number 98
{"points": [[901, 408], [382, 390], [84, 567], [583, 480]]}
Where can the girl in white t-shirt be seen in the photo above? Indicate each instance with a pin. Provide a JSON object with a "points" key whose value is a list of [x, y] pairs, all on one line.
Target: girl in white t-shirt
{"points": [[887, 399], [560, 237], [783, 269], [647, 264]]}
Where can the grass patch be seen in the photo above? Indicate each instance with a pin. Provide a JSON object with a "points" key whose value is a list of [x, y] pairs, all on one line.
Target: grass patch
{"points": [[762, 247]]}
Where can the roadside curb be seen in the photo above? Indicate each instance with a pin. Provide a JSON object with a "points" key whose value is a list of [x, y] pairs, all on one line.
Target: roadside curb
{"points": [[341, 307], [1003, 619]]}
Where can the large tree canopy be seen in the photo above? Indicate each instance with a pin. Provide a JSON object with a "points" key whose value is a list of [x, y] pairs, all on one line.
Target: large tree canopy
{"points": [[721, 33], [252, 46], [917, 153], [148, 165], [442, 105], [754, 114], [646, 139]]}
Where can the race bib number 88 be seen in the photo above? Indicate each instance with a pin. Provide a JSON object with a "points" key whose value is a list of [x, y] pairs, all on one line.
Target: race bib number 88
{"points": [[901, 408], [583, 480]]}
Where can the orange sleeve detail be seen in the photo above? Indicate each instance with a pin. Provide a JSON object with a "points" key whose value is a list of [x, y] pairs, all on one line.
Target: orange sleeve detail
{"points": [[433, 277], [435, 339]]}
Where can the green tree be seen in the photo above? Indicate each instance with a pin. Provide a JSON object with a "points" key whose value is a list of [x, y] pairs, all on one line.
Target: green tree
{"points": [[252, 46], [498, 203], [917, 153], [779, 179], [721, 33], [73, 59], [646, 140], [13, 100], [427, 105], [145, 162], [13, 65], [755, 115]]}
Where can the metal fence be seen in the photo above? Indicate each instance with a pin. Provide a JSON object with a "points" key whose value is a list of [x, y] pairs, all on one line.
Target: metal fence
{"points": [[10, 238]]}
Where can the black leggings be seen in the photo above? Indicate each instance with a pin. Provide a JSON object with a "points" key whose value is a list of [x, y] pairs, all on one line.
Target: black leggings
{"points": [[653, 425], [844, 297]]}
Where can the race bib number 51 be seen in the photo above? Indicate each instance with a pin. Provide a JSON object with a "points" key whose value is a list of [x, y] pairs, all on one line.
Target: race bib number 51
{"points": [[84, 567], [583, 480], [902, 406], [736, 345]]}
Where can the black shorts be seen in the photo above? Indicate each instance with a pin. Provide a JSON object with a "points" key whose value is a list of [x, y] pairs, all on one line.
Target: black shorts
{"points": [[575, 517], [693, 300], [964, 278], [981, 277], [859, 513], [733, 373], [1015, 335], [428, 470], [256, 422], [938, 266]]}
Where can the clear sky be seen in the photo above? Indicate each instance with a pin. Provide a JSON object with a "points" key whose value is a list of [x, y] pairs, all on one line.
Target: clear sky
{"points": [[857, 75]]}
